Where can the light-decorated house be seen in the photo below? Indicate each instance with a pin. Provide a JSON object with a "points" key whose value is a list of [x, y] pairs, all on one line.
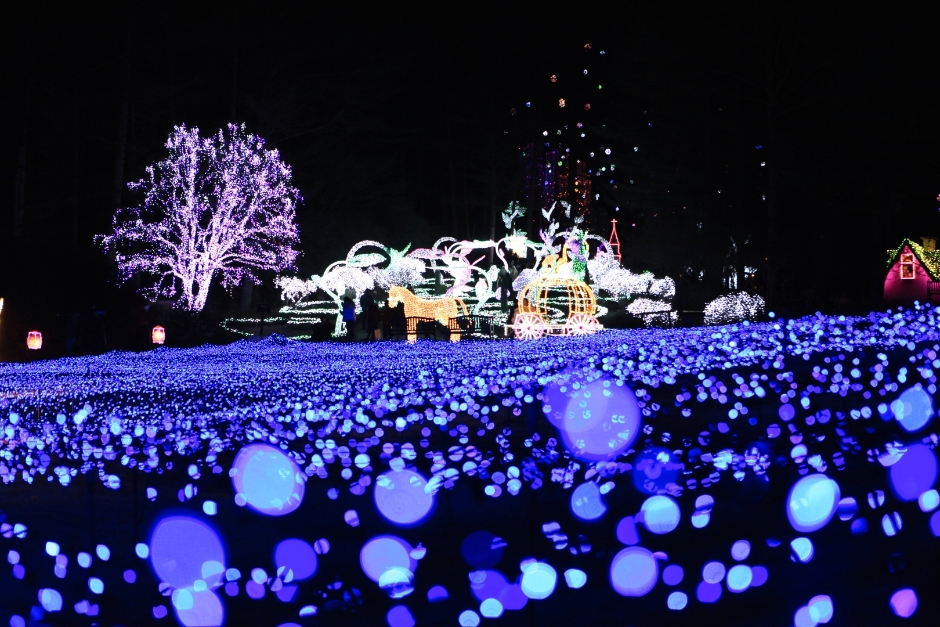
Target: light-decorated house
{"points": [[913, 273]]}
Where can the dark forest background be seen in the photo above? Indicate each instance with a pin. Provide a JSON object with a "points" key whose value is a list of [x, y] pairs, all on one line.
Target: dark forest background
{"points": [[397, 124]]}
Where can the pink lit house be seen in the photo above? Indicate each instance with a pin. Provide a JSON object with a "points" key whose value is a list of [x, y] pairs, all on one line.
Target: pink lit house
{"points": [[913, 273]]}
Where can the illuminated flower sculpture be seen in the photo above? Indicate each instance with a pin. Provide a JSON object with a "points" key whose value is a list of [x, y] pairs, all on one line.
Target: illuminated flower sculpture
{"points": [[219, 205]]}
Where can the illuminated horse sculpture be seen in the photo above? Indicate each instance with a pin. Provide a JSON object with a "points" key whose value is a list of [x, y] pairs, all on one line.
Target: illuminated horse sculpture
{"points": [[442, 309]]}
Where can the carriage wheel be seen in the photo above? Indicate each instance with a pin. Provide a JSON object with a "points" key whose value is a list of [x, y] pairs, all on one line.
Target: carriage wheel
{"points": [[581, 324], [528, 326]]}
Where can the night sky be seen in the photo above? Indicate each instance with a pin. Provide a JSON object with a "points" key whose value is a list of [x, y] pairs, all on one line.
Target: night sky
{"points": [[398, 126]]}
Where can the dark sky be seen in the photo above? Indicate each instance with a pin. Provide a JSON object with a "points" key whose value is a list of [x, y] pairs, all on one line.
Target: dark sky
{"points": [[397, 124]]}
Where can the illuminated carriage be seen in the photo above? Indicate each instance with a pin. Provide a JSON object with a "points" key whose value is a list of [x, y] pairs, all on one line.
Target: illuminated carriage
{"points": [[533, 318]]}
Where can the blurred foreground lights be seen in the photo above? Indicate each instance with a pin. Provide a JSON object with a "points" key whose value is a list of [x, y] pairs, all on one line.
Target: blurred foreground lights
{"points": [[586, 502], [297, 557], [677, 601], [928, 501], [491, 608], [660, 514], [50, 600], [812, 502], [403, 497], [575, 578], [267, 480], [740, 550], [468, 618], [801, 550], [904, 603], [914, 473], [739, 578], [633, 572], [400, 616], [538, 580], [820, 608], [913, 409]]}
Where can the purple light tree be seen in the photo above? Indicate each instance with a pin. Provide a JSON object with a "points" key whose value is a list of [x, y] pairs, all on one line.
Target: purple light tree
{"points": [[219, 205]]}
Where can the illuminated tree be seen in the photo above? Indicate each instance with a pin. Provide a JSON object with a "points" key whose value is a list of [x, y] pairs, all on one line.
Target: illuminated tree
{"points": [[216, 206]]}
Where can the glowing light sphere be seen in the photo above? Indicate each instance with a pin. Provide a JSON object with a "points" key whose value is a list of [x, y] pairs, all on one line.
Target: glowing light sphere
{"points": [[913, 408], [198, 608], [673, 575], [740, 550], [713, 572], [384, 553], [801, 550], [575, 578], [928, 501], [660, 514], [812, 502], [401, 497], [491, 608], [267, 480], [677, 601], [50, 599], [468, 618], [586, 502], [400, 616], [739, 578], [184, 550], [820, 608], [904, 602], [597, 420], [538, 580], [633, 572], [915, 473], [298, 556]]}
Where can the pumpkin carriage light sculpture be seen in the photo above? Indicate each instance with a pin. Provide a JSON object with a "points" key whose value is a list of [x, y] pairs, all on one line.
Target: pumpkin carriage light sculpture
{"points": [[533, 317]]}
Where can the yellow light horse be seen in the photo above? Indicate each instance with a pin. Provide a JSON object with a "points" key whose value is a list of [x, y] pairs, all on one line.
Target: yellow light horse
{"points": [[442, 309]]}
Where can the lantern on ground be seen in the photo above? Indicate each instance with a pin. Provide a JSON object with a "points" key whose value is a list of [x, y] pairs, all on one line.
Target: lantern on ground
{"points": [[34, 340], [158, 335]]}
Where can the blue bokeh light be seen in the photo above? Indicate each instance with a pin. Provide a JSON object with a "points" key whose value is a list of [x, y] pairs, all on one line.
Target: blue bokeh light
{"points": [[298, 556], [660, 514], [633, 572], [597, 420], [267, 480], [401, 497], [739, 578], [400, 616], [904, 602], [383, 553], [538, 580], [812, 502], [656, 470], [913, 408], [184, 550], [586, 502], [915, 473]]}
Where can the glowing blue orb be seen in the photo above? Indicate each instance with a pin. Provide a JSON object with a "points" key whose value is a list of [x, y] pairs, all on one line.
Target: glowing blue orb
{"points": [[586, 502], [677, 601], [915, 473], [50, 599], [739, 578], [384, 553], [400, 616], [491, 608], [740, 550], [184, 550], [401, 498], [575, 578], [538, 580], [913, 409], [486, 584], [597, 420], [267, 480], [904, 602], [672, 575], [801, 550], [633, 572], [298, 556], [812, 502], [820, 608], [468, 618], [660, 514], [202, 608]]}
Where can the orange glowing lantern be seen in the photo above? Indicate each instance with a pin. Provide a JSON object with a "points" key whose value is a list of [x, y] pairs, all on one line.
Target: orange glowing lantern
{"points": [[158, 335], [34, 340]]}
